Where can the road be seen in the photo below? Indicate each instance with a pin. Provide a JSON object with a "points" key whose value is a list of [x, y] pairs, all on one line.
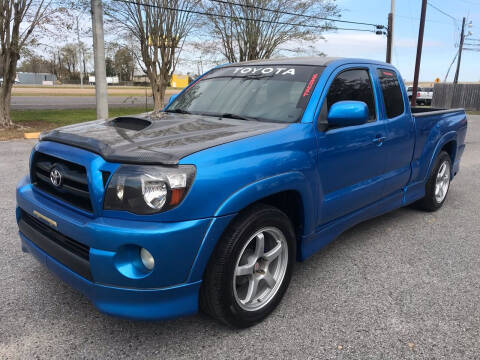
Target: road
{"points": [[403, 286], [75, 102]]}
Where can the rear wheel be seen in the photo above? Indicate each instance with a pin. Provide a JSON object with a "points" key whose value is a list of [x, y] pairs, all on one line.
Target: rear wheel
{"points": [[438, 184], [251, 267]]}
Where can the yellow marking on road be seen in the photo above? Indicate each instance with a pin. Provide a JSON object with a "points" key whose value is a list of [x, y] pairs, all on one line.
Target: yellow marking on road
{"points": [[33, 135]]}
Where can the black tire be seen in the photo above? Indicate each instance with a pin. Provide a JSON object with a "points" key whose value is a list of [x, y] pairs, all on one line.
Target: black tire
{"points": [[217, 295], [429, 202]]}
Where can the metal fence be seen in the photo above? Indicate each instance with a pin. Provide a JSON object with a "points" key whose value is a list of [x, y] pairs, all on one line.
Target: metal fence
{"points": [[450, 96]]}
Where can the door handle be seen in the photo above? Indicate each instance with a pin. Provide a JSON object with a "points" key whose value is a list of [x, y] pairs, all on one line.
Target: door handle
{"points": [[379, 140]]}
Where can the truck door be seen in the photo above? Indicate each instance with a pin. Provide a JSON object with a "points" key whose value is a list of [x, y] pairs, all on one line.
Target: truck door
{"points": [[400, 140], [351, 160]]}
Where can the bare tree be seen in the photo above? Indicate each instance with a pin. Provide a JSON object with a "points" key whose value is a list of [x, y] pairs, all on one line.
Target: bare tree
{"points": [[70, 58], [18, 20], [250, 31], [160, 28]]}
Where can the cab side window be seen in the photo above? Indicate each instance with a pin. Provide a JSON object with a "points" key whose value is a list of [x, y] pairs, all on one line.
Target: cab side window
{"points": [[392, 93], [354, 85]]}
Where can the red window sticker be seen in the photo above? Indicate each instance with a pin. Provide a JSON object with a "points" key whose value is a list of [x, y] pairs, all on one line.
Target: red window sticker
{"points": [[309, 87], [387, 73]]}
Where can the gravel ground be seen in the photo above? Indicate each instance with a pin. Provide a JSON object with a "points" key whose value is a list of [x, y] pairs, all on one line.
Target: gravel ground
{"points": [[404, 285]]}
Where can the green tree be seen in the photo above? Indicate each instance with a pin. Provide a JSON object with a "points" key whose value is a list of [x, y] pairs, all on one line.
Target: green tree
{"points": [[110, 67], [124, 64], [35, 64], [70, 60]]}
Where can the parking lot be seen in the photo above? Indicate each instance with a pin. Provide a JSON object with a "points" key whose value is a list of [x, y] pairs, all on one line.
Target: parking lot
{"points": [[404, 285]]}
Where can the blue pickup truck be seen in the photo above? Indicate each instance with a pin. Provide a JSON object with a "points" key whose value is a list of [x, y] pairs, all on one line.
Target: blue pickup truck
{"points": [[209, 203]]}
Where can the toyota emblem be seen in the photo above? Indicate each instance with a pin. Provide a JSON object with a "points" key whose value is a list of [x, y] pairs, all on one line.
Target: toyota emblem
{"points": [[56, 177]]}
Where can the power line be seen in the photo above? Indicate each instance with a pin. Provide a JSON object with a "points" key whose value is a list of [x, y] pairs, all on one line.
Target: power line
{"points": [[450, 67], [470, 2], [442, 12], [240, 18], [454, 19], [428, 20], [294, 14]]}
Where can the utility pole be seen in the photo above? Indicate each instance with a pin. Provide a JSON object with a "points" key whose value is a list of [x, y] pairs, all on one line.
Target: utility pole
{"points": [[80, 50], [391, 20], [462, 38], [421, 31], [99, 57]]}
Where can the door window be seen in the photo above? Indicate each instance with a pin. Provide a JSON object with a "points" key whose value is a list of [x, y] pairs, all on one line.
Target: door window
{"points": [[354, 85], [392, 93]]}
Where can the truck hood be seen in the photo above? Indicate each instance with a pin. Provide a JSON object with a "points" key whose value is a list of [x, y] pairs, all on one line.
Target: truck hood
{"points": [[162, 138]]}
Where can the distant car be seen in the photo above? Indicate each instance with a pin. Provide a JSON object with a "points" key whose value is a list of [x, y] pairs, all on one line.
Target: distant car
{"points": [[16, 81], [424, 95]]}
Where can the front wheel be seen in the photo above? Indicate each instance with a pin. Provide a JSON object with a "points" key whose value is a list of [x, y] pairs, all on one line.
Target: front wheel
{"points": [[438, 184], [251, 267]]}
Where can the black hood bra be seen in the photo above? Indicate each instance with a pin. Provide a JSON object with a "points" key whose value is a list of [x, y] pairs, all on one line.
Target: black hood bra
{"points": [[162, 138]]}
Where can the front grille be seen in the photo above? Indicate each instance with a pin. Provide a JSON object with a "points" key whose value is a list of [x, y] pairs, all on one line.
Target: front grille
{"points": [[73, 188], [67, 251]]}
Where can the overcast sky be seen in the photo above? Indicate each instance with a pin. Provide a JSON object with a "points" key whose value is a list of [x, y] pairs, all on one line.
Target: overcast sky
{"points": [[441, 35]]}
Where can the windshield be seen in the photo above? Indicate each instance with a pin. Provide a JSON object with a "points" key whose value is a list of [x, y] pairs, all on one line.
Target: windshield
{"points": [[263, 93]]}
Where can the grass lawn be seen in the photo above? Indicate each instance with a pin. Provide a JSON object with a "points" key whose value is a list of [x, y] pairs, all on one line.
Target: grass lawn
{"points": [[77, 91], [41, 120]]}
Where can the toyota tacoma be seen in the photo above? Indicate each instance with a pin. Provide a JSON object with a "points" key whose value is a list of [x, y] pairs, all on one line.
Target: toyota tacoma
{"points": [[209, 203]]}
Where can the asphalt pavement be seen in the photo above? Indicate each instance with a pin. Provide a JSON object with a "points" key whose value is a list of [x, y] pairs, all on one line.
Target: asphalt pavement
{"points": [[403, 286]]}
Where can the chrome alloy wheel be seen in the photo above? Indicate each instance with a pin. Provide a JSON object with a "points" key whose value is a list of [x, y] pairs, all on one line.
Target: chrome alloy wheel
{"points": [[442, 183], [260, 269]]}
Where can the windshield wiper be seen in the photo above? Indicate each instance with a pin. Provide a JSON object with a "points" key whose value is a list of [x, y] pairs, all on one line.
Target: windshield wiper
{"points": [[178, 111], [237, 117]]}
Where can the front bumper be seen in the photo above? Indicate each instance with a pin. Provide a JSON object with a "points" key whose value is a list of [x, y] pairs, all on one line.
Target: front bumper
{"points": [[140, 304], [109, 274]]}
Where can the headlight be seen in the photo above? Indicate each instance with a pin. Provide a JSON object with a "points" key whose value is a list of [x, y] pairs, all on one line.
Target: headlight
{"points": [[148, 189]]}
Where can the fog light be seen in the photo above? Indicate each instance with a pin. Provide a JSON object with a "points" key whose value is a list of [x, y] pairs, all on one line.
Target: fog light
{"points": [[147, 259]]}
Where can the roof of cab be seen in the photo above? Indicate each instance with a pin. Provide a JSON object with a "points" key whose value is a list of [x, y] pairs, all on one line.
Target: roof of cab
{"points": [[311, 60]]}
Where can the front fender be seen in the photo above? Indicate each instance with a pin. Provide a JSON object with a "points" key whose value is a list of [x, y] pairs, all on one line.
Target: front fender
{"points": [[291, 181], [258, 190]]}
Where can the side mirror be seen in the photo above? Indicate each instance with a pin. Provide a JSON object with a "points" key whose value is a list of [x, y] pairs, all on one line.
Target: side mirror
{"points": [[172, 99], [348, 113]]}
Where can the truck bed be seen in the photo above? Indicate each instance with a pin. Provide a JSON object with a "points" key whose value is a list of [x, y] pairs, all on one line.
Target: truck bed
{"points": [[427, 111], [433, 127]]}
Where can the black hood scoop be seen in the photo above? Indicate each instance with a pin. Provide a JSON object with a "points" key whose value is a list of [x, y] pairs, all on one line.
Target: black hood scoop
{"points": [[130, 123], [162, 138]]}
